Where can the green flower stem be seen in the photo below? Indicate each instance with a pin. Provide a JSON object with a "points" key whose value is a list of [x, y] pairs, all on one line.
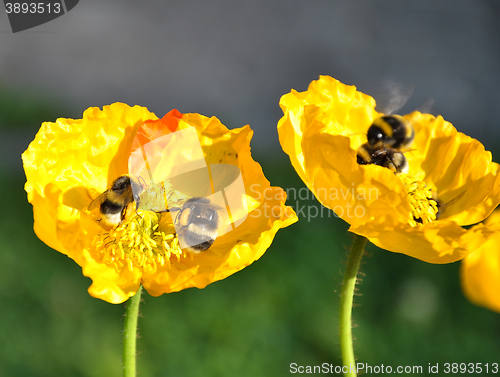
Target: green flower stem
{"points": [[346, 297], [130, 334]]}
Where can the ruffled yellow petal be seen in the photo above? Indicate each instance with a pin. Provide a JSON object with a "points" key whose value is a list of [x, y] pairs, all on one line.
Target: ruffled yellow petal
{"points": [[437, 242], [110, 284], [480, 271], [346, 111], [71, 159], [322, 129], [245, 244], [457, 167], [71, 162], [68, 164], [356, 193]]}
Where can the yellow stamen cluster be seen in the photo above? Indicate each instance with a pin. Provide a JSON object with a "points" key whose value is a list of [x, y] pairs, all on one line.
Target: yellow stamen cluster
{"points": [[141, 240], [424, 208]]}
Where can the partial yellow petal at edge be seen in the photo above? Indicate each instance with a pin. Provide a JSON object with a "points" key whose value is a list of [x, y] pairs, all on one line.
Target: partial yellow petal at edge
{"points": [[457, 167], [480, 275], [437, 242], [345, 111], [109, 284], [480, 271]]}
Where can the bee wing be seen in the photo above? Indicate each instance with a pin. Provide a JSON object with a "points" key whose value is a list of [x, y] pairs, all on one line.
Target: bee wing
{"points": [[396, 96], [159, 197], [97, 201], [426, 106]]}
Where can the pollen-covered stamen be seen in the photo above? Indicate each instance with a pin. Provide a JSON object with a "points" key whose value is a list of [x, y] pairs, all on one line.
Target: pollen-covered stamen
{"points": [[139, 241], [424, 208]]}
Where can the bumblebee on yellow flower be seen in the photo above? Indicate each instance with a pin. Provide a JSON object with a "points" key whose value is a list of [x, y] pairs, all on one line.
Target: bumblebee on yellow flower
{"points": [[72, 162], [450, 181], [407, 184]]}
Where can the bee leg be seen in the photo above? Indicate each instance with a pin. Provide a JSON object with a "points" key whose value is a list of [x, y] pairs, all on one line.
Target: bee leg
{"points": [[112, 241], [138, 214], [124, 212]]}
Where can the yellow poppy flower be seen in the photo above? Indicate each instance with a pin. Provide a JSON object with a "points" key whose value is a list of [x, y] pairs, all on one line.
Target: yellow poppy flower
{"points": [[322, 130], [71, 162], [480, 271]]}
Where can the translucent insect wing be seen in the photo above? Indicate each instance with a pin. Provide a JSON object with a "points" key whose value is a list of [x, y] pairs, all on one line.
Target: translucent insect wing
{"points": [[173, 168]]}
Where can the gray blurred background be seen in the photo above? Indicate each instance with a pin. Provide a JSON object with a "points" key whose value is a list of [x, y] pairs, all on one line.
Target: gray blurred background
{"points": [[235, 59]]}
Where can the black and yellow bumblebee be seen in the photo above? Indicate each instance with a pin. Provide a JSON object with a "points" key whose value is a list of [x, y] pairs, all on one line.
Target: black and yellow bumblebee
{"points": [[197, 223], [388, 137], [386, 157], [391, 131], [113, 203]]}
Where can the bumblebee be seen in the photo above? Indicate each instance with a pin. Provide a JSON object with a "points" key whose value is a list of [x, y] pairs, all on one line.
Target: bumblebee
{"points": [[113, 203], [196, 224], [392, 131], [386, 157]]}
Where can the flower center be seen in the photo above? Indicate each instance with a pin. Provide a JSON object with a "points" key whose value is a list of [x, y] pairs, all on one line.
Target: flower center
{"points": [[424, 208], [141, 240]]}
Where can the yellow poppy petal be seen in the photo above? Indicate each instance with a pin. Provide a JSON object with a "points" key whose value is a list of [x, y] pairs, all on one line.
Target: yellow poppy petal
{"points": [[456, 166], [109, 284], [71, 162], [341, 105], [70, 158], [245, 244], [480, 271], [451, 181], [436, 242], [357, 193]]}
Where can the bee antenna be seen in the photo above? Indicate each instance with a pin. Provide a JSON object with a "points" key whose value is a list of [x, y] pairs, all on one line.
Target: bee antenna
{"points": [[178, 213], [142, 182], [410, 150], [426, 106], [173, 209]]}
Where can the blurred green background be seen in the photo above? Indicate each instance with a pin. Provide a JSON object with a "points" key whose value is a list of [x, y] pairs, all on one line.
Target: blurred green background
{"points": [[234, 60], [280, 310]]}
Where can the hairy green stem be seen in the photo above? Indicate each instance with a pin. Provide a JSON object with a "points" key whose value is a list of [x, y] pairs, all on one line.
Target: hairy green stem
{"points": [[130, 334], [346, 298]]}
